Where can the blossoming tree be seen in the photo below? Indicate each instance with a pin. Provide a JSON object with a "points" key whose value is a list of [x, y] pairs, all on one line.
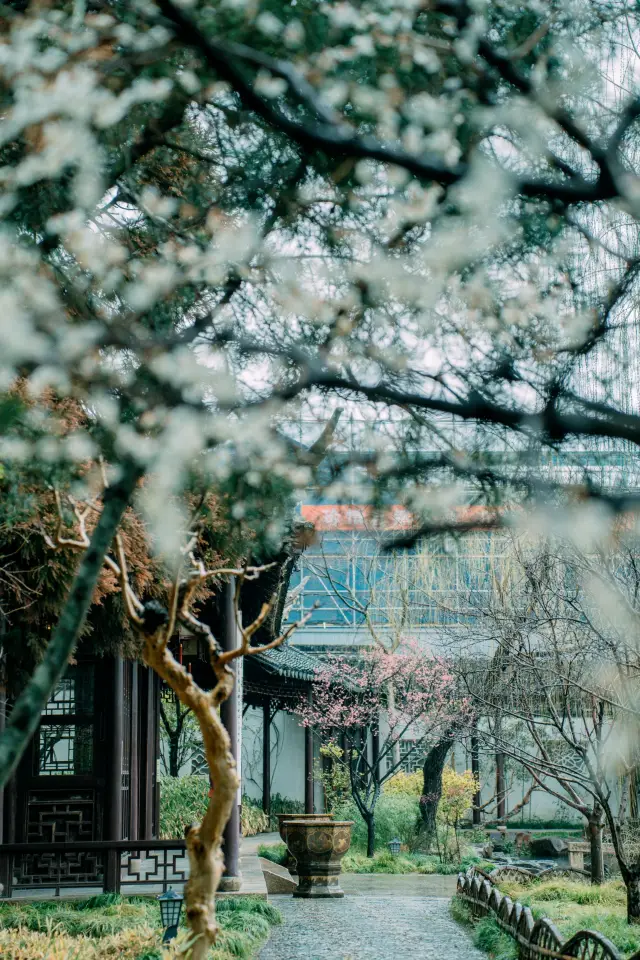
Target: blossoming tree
{"points": [[215, 216], [351, 700]]}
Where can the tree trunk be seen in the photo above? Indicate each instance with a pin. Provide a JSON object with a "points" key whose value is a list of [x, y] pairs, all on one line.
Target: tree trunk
{"points": [[475, 769], [501, 791], [204, 841], [632, 884], [432, 788], [25, 716], [371, 835], [174, 767], [395, 747], [595, 841]]}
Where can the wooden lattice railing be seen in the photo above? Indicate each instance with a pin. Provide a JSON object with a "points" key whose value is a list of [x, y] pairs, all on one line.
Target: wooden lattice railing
{"points": [[53, 869], [536, 939]]}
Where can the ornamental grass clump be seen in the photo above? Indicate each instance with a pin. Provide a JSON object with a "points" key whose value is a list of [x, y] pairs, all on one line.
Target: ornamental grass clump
{"points": [[489, 937], [486, 933], [574, 906], [128, 929], [253, 819], [183, 801]]}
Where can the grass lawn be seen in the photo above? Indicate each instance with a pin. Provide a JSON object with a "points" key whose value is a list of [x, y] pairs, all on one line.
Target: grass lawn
{"points": [[356, 861], [485, 933], [110, 925], [571, 906], [580, 906]]}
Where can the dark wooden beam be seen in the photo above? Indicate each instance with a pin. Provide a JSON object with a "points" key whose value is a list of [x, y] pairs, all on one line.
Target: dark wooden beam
{"points": [[308, 762], [266, 756]]}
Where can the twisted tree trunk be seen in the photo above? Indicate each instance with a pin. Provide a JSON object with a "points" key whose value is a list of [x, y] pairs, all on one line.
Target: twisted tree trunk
{"points": [[204, 840]]}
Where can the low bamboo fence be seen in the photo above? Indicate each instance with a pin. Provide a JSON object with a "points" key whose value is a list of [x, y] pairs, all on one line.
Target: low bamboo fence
{"points": [[535, 938]]}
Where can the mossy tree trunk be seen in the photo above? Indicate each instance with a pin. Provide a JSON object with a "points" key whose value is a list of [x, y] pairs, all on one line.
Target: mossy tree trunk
{"points": [[432, 788], [632, 884], [371, 834], [595, 841]]}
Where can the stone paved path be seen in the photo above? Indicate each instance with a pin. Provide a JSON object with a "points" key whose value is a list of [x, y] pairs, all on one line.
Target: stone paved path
{"points": [[368, 928]]}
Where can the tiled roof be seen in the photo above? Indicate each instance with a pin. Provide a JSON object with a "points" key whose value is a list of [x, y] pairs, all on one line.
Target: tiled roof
{"points": [[286, 661]]}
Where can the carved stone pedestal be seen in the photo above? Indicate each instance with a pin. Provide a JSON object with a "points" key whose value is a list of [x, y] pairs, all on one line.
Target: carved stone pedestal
{"points": [[291, 866], [318, 846]]}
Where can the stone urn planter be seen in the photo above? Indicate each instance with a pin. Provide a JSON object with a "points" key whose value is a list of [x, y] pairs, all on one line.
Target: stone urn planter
{"points": [[291, 866], [318, 846]]}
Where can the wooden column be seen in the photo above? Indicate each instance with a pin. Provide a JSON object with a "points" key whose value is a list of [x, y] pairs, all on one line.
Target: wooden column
{"points": [[134, 775], [115, 724], [266, 756], [113, 823], [229, 715], [5, 862], [155, 813], [308, 762], [3, 714], [147, 752], [475, 770]]}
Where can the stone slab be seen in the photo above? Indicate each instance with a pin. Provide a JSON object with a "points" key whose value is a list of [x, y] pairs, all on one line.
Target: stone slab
{"points": [[277, 878]]}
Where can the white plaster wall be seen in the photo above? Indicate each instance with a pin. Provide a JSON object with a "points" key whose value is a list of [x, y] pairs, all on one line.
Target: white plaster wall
{"points": [[287, 757], [287, 770]]}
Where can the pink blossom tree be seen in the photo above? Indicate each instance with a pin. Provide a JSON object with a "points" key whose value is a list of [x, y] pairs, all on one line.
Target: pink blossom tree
{"points": [[351, 699]]}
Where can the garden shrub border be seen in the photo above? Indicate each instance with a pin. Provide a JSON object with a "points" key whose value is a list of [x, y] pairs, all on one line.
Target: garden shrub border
{"points": [[536, 939]]}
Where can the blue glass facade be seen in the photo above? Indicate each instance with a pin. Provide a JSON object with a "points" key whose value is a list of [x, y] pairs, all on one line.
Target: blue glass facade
{"points": [[350, 578]]}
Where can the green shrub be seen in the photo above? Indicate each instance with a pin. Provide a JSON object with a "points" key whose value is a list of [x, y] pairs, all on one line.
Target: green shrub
{"points": [[276, 852], [384, 861], [408, 783], [535, 824], [474, 835], [396, 815], [280, 804], [183, 801]]}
